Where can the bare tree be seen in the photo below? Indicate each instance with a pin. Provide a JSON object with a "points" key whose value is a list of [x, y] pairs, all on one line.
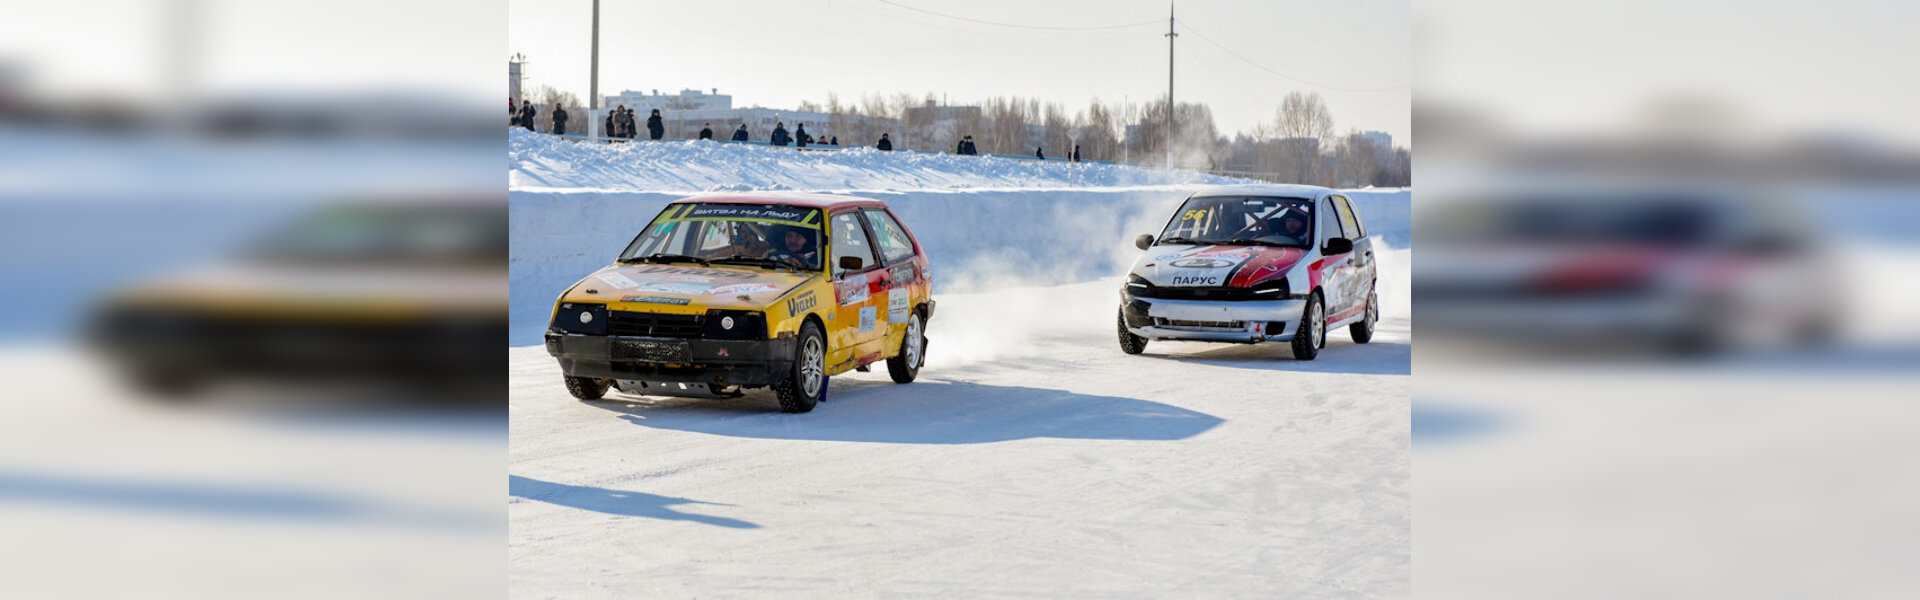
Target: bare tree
{"points": [[545, 98], [1304, 125], [1358, 159]]}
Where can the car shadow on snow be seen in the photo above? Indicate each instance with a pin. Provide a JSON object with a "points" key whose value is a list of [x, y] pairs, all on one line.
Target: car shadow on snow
{"points": [[615, 502], [925, 412], [1377, 358]]}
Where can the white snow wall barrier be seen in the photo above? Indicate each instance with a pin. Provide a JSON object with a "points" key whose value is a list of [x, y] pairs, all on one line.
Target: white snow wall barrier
{"points": [[976, 240]]}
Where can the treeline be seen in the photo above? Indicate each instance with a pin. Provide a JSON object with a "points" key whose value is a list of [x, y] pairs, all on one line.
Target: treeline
{"points": [[1300, 144]]}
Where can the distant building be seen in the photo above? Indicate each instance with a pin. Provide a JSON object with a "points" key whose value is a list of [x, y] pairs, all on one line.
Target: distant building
{"points": [[516, 73], [940, 125], [1381, 141], [686, 100]]}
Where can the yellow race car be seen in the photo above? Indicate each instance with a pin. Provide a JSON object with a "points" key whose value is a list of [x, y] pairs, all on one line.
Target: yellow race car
{"points": [[725, 293]]}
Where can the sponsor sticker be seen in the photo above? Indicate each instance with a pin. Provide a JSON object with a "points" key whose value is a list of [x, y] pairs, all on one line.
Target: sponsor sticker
{"points": [[774, 213], [690, 278], [743, 288], [852, 291], [897, 302], [618, 281], [1194, 280], [671, 269], [904, 274], [675, 287], [799, 305], [867, 315], [1202, 263], [654, 299]]}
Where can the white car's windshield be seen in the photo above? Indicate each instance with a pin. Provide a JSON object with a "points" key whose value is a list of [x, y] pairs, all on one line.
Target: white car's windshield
{"points": [[769, 236], [1242, 220]]}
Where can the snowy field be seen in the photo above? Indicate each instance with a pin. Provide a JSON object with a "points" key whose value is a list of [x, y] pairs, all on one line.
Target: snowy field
{"points": [[1031, 458]]}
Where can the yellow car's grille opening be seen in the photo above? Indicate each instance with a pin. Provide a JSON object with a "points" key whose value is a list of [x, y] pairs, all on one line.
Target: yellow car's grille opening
{"points": [[622, 322]]}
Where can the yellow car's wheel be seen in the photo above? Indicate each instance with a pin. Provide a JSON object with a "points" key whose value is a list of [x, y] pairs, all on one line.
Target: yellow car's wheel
{"points": [[587, 388], [806, 382], [903, 367]]}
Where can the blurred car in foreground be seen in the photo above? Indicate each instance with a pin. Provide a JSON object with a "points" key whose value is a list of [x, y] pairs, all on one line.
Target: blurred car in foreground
{"points": [[1681, 269], [396, 292]]}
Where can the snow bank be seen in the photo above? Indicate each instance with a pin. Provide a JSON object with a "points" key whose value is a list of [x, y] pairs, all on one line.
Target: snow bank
{"points": [[538, 162]]}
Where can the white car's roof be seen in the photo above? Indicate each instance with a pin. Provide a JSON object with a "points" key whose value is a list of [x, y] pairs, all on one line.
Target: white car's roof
{"points": [[1269, 189]]}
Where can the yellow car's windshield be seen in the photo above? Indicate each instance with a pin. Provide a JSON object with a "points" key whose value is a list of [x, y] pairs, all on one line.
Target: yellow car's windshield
{"points": [[762, 235]]}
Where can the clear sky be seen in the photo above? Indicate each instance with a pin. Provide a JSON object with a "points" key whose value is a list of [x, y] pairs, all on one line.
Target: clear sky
{"points": [[776, 53]]}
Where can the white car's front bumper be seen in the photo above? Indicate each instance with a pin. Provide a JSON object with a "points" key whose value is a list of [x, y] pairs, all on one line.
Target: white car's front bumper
{"points": [[1218, 321]]}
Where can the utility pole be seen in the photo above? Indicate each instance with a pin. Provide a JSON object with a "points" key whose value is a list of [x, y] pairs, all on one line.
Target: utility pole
{"points": [[593, 81], [1170, 36]]}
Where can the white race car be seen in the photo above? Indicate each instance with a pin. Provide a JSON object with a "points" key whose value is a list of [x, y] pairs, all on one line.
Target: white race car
{"points": [[1250, 264]]}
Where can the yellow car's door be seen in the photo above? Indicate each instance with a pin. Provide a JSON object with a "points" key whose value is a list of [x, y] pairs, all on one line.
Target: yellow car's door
{"points": [[858, 328]]}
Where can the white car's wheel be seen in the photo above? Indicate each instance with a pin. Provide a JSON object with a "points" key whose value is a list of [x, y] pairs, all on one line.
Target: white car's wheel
{"points": [[1363, 331], [1311, 335]]}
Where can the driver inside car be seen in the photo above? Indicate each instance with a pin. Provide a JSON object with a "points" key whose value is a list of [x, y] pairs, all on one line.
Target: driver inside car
{"points": [[794, 244], [1289, 224]]}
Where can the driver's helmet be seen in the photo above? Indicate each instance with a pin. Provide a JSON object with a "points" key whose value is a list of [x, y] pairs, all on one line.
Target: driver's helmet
{"points": [[1280, 224], [778, 237]]}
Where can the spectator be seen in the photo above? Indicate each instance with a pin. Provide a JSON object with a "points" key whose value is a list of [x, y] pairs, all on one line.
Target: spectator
{"points": [[706, 131], [835, 141], [654, 128], [800, 135], [780, 137], [967, 148], [617, 121], [740, 135], [885, 145], [559, 119], [513, 113], [1076, 153], [1040, 153], [527, 113]]}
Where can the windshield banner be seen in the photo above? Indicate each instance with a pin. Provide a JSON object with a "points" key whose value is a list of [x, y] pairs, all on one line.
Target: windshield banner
{"points": [[786, 215]]}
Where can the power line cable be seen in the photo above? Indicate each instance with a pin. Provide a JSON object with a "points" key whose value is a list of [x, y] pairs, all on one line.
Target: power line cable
{"points": [[1018, 25], [1203, 37]]}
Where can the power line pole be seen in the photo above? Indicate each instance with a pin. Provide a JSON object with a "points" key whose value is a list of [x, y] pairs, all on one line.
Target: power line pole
{"points": [[1170, 36], [593, 81]]}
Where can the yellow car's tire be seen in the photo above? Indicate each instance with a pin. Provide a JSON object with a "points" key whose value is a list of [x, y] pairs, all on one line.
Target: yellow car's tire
{"points": [[587, 388], [903, 367], [806, 382]]}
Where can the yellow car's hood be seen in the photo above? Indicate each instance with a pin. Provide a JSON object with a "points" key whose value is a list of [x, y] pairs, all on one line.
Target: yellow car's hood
{"points": [[687, 285]]}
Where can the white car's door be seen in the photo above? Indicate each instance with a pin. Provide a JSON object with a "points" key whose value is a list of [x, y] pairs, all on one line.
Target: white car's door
{"points": [[1335, 269]]}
